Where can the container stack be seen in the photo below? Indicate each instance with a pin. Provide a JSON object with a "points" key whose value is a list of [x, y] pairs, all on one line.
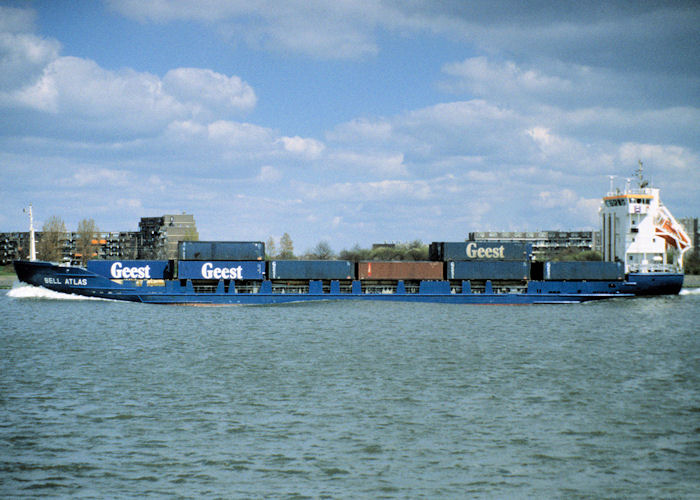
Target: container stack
{"points": [[221, 260], [481, 260]]}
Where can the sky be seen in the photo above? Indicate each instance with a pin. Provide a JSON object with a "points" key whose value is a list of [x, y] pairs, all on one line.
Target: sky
{"points": [[345, 121]]}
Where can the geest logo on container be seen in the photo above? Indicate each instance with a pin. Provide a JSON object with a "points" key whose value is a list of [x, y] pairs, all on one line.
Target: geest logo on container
{"points": [[227, 273], [118, 271], [474, 252]]}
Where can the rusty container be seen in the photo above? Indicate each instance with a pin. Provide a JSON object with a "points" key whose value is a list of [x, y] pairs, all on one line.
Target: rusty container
{"points": [[400, 270]]}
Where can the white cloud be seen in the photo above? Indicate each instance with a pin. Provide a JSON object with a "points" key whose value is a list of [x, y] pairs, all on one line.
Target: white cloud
{"points": [[564, 198], [240, 135], [369, 191], [204, 88], [185, 130], [23, 57], [483, 177], [665, 156], [83, 96], [81, 87], [361, 130], [462, 113], [568, 201], [115, 102], [309, 148], [164, 11], [99, 177], [335, 30], [269, 174], [129, 203], [381, 164], [488, 78], [13, 20], [647, 37], [557, 148], [564, 85]]}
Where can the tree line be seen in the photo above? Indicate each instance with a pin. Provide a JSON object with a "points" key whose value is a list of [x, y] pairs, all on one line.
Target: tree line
{"points": [[53, 236], [414, 250]]}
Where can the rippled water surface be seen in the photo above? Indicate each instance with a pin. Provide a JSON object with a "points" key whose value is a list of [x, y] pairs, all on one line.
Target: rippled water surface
{"points": [[349, 400]]}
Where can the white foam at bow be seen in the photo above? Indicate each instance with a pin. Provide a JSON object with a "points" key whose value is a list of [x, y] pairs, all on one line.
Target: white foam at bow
{"points": [[24, 291]]}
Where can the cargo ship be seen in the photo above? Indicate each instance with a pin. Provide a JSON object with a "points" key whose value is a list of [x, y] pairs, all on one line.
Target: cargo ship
{"points": [[642, 245]]}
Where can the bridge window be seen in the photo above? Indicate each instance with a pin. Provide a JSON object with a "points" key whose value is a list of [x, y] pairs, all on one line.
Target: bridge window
{"points": [[617, 202]]}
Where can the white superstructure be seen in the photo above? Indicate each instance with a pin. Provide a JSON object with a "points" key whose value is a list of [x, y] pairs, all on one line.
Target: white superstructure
{"points": [[637, 229]]}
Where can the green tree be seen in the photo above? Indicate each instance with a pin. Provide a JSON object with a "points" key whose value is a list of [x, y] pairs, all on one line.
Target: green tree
{"points": [[286, 247], [691, 262], [356, 253], [569, 254], [388, 252], [87, 244], [191, 234], [270, 248], [322, 251], [53, 235], [416, 250]]}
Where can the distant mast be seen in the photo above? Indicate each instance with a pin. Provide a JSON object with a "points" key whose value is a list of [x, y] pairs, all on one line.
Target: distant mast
{"points": [[32, 241]]}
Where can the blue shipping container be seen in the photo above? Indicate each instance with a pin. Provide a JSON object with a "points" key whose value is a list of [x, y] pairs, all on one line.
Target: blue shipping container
{"points": [[481, 250], [584, 270], [221, 250], [480, 270], [311, 269], [131, 269], [226, 270]]}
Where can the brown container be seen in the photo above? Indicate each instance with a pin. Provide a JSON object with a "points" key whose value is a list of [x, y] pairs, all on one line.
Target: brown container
{"points": [[400, 270]]}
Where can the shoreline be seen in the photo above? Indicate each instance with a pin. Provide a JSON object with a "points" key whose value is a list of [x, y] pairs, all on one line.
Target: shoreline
{"points": [[690, 281], [7, 280]]}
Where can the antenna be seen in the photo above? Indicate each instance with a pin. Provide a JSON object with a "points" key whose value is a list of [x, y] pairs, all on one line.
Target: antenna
{"points": [[640, 173], [611, 182]]}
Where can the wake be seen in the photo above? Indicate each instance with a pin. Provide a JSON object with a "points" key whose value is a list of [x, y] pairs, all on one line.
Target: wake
{"points": [[25, 291], [690, 291]]}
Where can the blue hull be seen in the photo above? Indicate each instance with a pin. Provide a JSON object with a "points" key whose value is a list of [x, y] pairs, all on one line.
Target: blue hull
{"points": [[77, 280], [655, 283]]}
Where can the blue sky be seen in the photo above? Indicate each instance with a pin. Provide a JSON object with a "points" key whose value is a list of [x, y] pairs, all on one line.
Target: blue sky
{"points": [[349, 121]]}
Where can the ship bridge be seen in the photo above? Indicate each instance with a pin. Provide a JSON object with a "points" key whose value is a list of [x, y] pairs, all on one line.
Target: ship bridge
{"points": [[637, 229]]}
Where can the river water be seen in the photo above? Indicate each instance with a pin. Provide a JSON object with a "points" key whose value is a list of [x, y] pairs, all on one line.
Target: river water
{"points": [[349, 400]]}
